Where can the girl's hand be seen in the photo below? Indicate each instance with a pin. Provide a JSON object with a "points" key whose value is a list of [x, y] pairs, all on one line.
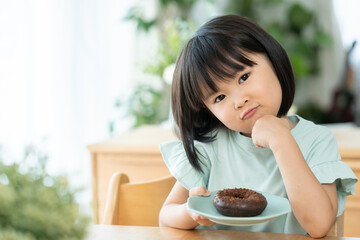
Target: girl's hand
{"points": [[270, 130], [200, 191]]}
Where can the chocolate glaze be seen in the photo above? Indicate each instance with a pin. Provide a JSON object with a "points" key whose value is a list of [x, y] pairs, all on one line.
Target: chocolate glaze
{"points": [[239, 202]]}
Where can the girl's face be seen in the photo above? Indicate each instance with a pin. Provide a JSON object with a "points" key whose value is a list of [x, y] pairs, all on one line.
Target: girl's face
{"points": [[253, 93]]}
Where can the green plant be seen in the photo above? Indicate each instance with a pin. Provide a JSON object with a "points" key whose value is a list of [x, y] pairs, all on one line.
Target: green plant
{"points": [[35, 205]]}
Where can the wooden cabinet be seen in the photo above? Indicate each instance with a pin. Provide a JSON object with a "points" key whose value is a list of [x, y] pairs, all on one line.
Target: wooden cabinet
{"points": [[137, 153], [349, 147]]}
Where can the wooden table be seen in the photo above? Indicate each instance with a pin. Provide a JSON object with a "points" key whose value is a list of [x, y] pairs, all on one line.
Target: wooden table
{"points": [[109, 232]]}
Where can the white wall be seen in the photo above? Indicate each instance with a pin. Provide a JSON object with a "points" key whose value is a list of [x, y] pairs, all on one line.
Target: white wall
{"points": [[348, 15]]}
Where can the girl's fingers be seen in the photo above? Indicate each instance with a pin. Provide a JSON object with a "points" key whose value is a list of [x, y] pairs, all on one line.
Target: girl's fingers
{"points": [[203, 221], [199, 191]]}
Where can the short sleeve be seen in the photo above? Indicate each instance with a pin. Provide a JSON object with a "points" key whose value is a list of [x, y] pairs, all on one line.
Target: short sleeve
{"points": [[178, 164], [328, 167]]}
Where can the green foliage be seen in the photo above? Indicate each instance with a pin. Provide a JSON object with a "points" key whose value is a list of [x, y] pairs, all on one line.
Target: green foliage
{"points": [[35, 205], [249, 8], [175, 34], [134, 14], [313, 112], [144, 104], [182, 7], [149, 104], [299, 17]]}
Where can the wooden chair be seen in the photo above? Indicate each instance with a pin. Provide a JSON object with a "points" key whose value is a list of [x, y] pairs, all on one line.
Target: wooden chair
{"points": [[337, 230], [137, 203]]}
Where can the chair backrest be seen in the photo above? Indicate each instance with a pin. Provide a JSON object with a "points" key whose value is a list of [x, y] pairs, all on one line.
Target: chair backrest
{"points": [[137, 203], [337, 230]]}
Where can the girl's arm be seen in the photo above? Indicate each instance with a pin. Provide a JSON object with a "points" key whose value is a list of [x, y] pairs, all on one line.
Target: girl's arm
{"points": [[314, 204], [174, 212]]}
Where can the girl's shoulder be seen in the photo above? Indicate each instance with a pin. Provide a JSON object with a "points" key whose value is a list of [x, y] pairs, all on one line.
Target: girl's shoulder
{"points": [[307, 128], [307, 133]]}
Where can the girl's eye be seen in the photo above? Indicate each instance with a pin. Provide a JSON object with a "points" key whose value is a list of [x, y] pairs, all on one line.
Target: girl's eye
{"points": [[219, 98], [244, 77]]}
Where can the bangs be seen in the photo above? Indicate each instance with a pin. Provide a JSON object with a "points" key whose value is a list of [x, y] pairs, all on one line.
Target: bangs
{"points": [[210, 61]]}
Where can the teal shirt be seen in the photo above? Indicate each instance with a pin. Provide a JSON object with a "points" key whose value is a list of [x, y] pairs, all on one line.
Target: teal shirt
{"points": [[232, 160]]}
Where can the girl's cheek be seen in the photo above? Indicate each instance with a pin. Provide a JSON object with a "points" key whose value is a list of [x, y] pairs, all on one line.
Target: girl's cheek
{"points": [[226, 117], [221, 111]]}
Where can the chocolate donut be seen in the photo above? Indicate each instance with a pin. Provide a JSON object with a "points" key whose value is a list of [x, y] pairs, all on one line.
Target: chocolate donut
{"points": [[239, 202]]}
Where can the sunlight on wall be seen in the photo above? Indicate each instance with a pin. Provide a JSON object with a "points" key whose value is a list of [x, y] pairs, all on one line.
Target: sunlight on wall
{"points": [[348, 15]]}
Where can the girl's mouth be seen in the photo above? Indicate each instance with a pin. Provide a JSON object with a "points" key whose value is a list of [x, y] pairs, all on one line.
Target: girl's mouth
{"points": [[248, 113]]}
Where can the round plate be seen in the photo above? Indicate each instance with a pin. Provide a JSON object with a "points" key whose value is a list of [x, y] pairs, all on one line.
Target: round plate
{"points": [[203, 206]]}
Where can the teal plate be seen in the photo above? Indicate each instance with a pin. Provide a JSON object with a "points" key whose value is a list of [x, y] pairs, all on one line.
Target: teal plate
{"points": [[203, 206]]}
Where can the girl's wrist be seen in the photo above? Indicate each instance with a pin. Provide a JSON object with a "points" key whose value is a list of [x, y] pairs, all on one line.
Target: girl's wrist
{"points": [[280, 141]]}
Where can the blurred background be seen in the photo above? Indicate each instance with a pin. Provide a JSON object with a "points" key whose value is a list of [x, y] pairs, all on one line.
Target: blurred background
{"points": [[73, 73]]}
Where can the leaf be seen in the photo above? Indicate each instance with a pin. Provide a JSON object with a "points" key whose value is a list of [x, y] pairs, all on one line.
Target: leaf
{"points": [[322, 38], [299, 17]]}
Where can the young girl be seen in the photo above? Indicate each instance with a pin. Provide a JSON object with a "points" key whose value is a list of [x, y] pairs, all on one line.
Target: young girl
{"points": [[232, 88]]}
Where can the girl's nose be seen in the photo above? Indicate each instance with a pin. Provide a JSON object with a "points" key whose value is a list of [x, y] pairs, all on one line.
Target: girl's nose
{"points": [[239, 103]]}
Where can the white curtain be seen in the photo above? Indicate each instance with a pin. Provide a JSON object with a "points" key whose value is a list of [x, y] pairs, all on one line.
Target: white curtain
{"points": [[62, 65]]}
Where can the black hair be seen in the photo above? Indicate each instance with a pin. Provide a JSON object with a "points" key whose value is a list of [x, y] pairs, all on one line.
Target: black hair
{"points": [[218, 51]]}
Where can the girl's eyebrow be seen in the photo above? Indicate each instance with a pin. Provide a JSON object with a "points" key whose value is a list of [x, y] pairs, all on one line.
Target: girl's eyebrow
{"points": [[245, 69]]}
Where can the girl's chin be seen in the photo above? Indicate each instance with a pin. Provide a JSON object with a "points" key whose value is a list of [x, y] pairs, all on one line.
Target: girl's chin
{"points": [[246, 134], [242, 131], [245, 130]]}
